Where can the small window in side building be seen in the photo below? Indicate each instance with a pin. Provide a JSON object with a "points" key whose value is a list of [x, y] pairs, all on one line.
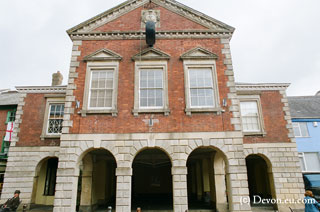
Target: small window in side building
{"points": [[51, 174], [312, 161], [300, 129], [302, 162], [250, 116], [55, 119]]}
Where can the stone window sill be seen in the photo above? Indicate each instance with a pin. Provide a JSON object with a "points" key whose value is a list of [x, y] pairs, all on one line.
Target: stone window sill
{"points": [[113, 112], [261, 133], [43, 137], [161, 110], [217, 110]]}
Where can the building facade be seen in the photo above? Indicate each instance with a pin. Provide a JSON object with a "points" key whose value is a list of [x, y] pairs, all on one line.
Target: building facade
{"points": [[163, 126], [305, 112], [8, 107]]}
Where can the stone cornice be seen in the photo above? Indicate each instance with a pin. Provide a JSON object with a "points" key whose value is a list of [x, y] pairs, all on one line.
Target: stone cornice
{"points": [[136, 35], [41, 89], [174, 6], [261, 86]]}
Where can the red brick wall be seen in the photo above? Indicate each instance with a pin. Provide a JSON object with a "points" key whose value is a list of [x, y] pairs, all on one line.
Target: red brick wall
{"points": [[274, 122], [177, 121], [32, 122], [132, 22]]}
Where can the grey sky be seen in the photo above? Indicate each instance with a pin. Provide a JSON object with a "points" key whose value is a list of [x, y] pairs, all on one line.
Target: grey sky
{"points": [[274, 41]]}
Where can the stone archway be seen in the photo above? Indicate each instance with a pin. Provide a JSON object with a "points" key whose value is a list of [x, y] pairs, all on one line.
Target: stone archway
{"points": [[44, 183], [152, 180], [97, 181], [260, 180], [206, 180]]}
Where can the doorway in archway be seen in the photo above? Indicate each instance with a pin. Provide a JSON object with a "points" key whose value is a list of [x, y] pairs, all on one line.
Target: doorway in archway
{"points": [[152, 181]]}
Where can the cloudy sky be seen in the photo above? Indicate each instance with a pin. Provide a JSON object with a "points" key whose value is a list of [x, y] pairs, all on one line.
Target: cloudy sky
{"points": [[274, 41]]}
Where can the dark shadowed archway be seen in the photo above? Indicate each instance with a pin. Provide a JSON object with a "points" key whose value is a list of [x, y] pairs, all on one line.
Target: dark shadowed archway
{"points": [[260, 180], [152, 181]]}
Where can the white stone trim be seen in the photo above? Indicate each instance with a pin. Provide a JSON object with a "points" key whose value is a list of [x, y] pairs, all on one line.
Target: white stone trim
{"points": [[41, 89], [261, 86], [152, 136], [232, 94], [287, 115], [136, 35], [70, 98], [178, 8], [18, 120]]}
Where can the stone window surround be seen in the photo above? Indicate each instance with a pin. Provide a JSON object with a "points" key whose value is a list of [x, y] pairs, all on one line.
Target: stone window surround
{"points": [[100, 65], [149, 64], [256, 98], [194, 63], [49, 101]]}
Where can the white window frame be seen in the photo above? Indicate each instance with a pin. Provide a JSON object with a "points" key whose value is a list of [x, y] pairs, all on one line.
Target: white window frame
{"points": [[253, 98], [302, 155], [96, 66], [306, 123], [163, 96], [210, 64], [45, 133], [150, 64]]}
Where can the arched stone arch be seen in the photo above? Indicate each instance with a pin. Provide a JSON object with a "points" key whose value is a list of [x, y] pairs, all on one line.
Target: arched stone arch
{"points": [[42, 159], [136, 152], [263, 154], [152, 167], [40, 176], [89, 149], [97, 180], [269, 180], [207, 174], [212, 144]]}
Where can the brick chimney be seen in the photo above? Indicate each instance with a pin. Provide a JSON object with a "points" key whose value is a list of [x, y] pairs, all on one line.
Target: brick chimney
{"points": [[57, 79]]}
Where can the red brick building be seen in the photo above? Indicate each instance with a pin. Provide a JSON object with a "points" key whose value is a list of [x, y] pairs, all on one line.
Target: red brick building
{"points": [[158, 127]]}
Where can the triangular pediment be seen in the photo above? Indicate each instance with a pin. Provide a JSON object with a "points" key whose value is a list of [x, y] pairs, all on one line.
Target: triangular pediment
{"points": [[199, 53], [92, 24], [151, 54], [102, 54]]}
